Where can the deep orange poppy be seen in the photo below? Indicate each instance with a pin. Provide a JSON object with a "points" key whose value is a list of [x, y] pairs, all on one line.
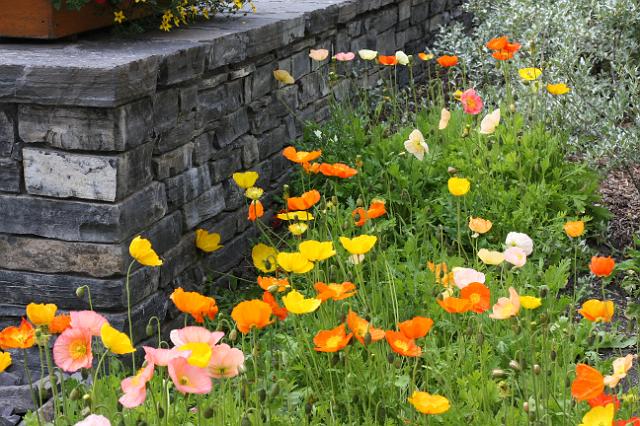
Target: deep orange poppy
{"points": [[300, 157], [194, 304], [22, 337], [601, 266], [416, 327], [455, 305], [311, 167], [337, 170], [502, 55], [303, 202], [250, 314], [447, 61], [388, 60], [361, 327], [401, 344], [59, 324], [360, 216], [603, 400], [278, 311], [266, 283], [497, 43], [478, 295], [512, 47], [588, 384], [256, 210], [334, 291], [332, 340]]}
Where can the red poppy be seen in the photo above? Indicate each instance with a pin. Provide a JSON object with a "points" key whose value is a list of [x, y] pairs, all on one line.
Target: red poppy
{"points": [[479, 295], [633, 421], [497, 43], [603, 400], [388, 60], [276, 309], [447, 61]]}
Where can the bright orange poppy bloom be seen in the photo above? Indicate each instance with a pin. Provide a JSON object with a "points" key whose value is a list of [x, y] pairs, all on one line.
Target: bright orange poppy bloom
{"points": [[603, 400], [22, 337], [388, 60], [478, 295], [497, 43], [334, 291], [502, 55], [601, 266], [303, 202], [311, 167], [332, 340], [256, 210], [194, 304], [401, 344], [455, 305], [376, 209], [266, 283], [337, 170], [588, 384], [252, 314], [597, 311], [416, 327], [512, 47], [447, 61], [278, 310], [441, 272], [361, 327], [59, 324], [300, 157]]}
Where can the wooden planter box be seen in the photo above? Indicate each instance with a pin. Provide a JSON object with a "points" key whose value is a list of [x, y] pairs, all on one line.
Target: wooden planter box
{"points": [[40, 20]]}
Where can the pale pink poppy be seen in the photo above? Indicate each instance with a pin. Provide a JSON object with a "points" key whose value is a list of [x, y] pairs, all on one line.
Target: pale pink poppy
{"points": [[89, 320], [72, 350], [94, 420], [189, 378], [506, 307], [471, 102], [318, 54], [161, 357], [344, 56], [515, 256], [195, 334], [225, 361], [621, 367], [462, 277], [135, 387]]}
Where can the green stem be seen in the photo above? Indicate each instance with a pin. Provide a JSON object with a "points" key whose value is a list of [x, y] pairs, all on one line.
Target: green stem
{"points": [[33, 394], [95, 376], [133, 354]]}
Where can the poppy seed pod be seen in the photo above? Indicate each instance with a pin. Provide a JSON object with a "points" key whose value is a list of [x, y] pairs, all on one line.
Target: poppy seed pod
{"points": [[285, 191], [515, 365], [75, 394], [498, 373], [359, 202], [86, 398], [512, 107], [391, 357], [536, 369], [149, 330]]}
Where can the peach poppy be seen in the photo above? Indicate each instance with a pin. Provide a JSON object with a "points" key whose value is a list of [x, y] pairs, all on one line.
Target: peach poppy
{"points": [[506, 307], [337, 170], [574, 228], [195, 334], [332, 340], [361, 327], [601, 266], [22, 337], [455, 305], [334, 291], [256, 210], [588, 384], [479, 295], [94, 419], [416, 327], [425, 56], [225, 362], [401, 344], [252, 314], [88, 320], [621, 367], [303, 202], [502, 55], [72, 350], [597, 311], [194, 304], [280, 312], [59, 324], [388, 60], [480, 225], [300, 157], [135, 387], [266, 283], [447, 61], [318, 54], [189, 378]]}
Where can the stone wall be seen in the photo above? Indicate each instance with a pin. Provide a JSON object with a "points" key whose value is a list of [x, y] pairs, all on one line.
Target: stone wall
{"points": [[102, 139]]}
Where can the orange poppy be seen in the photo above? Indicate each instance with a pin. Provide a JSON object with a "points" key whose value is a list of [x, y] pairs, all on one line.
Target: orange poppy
{"points": [[588, 384], [512, 47], [360, 216], [478, 295], [603, 400], [401, 344], [502, 55], [300, 157], [388, 60], [497, 43], [59, 324], [441, 272], [334, 291], [601, 266], [376, 209], [303, 202], [447, 61], [416, 327], [22, 337], [266, 283], [337, 170], [194, 304], [256, 210], [311, 167], [252, 314], [454, 305], [596, 310], [332, 340], [278, 310], [361, 327]]}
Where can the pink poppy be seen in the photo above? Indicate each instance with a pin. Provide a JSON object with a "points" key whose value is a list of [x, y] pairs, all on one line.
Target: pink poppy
{"points": [[344, 56], [462, 277], [189, 378], [135, 387], [195, 334], [72, 350], [89, 320], [225, 361], [515, 256], [161, 357], [94, 420], [507, 307], [471, 102]]}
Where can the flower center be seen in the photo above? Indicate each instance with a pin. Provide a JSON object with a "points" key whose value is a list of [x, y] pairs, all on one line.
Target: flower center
{"points": [[77, 349], [402, 345], [333, 341], [475, 298], [184, 381]]}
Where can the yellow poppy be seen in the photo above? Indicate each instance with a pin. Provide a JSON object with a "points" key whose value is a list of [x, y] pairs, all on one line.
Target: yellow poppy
{"points": [[558, 89], [40, 313], [429, 404], [200, 353], [298, 228], [207, 242], [246, 179], [296, 303], [530, 302], [284, 77], [599, 416], [5, 361], [359, 245], [574, 228], [142, 251], [530, 74], [115, 341], [294, 262], [491, 257], [458, 186], [316, 250], [297, 215], [264, 257], [254, 193]]}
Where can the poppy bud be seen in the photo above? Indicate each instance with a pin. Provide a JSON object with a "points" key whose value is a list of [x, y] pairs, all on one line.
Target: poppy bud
{"points": [[391, 357], [544, 291], [75, 394], [515, 365], [469, 330], [480, 339], [233, 336], [262, 395], [381, 414], [359, 162], [359, 202], [255, 351], [452, 170], [397, 363], [572, 338], [207, 413], [466, 131], [245, 421], [149, 330], [335, 359], [274, 390], [497, 373], [160, 411], [536, 369], [334, 199], [285, 191], [86, 411], [80, 292], [516, 328], [244, 391], [512, 107], [525, 406], [86, 398]]}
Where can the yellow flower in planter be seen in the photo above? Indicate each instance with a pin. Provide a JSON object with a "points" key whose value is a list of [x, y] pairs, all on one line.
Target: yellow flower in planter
{"points": [[296, 303], [530, 302], [558, 89], [359, 245], [530, 74], [119, 17], [297, 215], [264, 257], [298, 228], [316, 250], [5, 361], [142, 251], [115, 341], [41, 314], [284, 77], [207, 242], [458, 186], [294, 262], [246, 179]]}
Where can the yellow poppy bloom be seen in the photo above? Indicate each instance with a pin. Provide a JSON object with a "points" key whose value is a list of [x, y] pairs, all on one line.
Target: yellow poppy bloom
{"points": [[5, 361], [480, 225], [359, 245], [264, 257], [297, 215], [254, 193], [142, 251], [284, 77], [599, 416], [294, 262], [429, 404], [296, 303], [298, 228], [115, 341], [246, 179], [316, 250], [530, 302], [558, 89], [530, 74], [41, 314], [458, 186], [207, 242], [200, 353], [491, 257], [574, 228]]}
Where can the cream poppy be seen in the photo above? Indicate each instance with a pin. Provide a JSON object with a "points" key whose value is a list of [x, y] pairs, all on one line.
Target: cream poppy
{"points": [[490, 122], [416, 145]]}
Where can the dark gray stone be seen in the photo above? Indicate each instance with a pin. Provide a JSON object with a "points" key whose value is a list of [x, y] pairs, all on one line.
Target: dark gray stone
{"points": [[183, 65], [173, 162], [231, 127], [223, 168], [9, 175], [187, 186], [203, 148], [204, 207]]}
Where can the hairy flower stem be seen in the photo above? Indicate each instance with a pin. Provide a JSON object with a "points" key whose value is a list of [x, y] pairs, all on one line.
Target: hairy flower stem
{"points": [[33, 393], [133, 354]]}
